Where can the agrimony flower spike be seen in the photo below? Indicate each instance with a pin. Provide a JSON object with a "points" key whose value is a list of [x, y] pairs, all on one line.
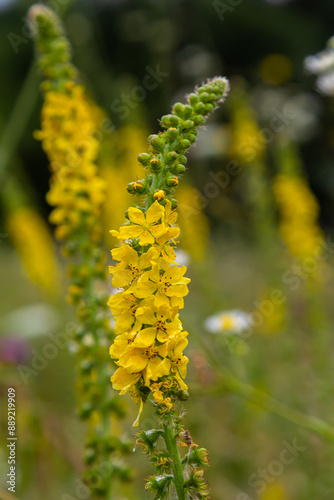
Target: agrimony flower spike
{"points": [[150, 339], [69, 123]]}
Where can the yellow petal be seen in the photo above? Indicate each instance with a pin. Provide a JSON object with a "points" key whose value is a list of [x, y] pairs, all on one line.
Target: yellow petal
{"points": [[146, 238], [146, 315], [154, 213], [135, 215], [122, 380], [145, 337], [130, 232], [141, 406]]}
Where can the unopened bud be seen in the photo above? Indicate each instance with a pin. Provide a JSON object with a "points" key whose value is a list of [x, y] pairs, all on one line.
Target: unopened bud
{"points": [[178, 109], [144, 158], [172, 134], [171, 157], [159, 195], [157, 143], [155, 165], [172, 181]]}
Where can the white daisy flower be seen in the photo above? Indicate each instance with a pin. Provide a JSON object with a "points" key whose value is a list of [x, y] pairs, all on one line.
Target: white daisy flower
{"points": [[233, 321], [325, 83], [320, 62]]}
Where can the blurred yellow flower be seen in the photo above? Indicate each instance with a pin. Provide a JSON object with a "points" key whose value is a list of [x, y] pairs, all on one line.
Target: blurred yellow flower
{"points": [[299, 210], [33, 242]]}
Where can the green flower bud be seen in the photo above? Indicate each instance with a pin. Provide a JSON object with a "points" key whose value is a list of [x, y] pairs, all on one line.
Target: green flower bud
{"points": [[157, 143], [172, 180], [208, 108], [171, 157], [130, 188], [188, 124], [111, 444], [193, 99], [200, 108], [182, 395], [125, 473], [172, 134], [118, 406], [183, 145], [87, 365], [191, 138], [138, 187], [198, 120], [177, 169], [204, 97], [90, 455], [178, 109], [187, 111], [155, 165], [144, 158], [174, 203], [85, 410], [159, 485]]}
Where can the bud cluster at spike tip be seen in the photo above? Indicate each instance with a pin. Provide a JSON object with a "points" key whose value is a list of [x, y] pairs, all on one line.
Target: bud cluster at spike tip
{"points": [[165, 161]]}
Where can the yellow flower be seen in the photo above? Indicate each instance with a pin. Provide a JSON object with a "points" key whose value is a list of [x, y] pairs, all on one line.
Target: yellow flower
{"points": [[131, 264], [32, 240], [124, 309], [123, 380], [145, 227], [167, 285], [69, 122], [162, 327], [299, 212]]}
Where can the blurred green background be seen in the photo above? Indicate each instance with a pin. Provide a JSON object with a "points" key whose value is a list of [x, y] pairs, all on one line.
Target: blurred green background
{"points": [[234, 246]]}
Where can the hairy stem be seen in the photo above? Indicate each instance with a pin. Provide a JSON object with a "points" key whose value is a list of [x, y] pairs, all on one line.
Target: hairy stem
{"points": [[171, 445]]}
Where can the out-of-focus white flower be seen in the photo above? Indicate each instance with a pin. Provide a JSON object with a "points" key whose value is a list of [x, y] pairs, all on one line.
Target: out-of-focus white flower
{"points": [[182, 257], [320, 62], [228, 322], [325, 83], [88, 340]]}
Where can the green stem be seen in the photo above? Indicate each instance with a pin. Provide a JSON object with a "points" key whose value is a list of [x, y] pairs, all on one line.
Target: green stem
{"points": [[17, 121], [312, 424], [171, 445], [232, 384]]}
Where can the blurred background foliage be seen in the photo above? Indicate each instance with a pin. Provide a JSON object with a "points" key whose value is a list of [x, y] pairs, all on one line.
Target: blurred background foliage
{"points": [[257, 199]]}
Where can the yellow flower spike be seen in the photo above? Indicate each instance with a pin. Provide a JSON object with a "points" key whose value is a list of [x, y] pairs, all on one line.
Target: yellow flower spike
{"points": [[299, 212], [33, 242], [71, 126], [150, 343]]}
